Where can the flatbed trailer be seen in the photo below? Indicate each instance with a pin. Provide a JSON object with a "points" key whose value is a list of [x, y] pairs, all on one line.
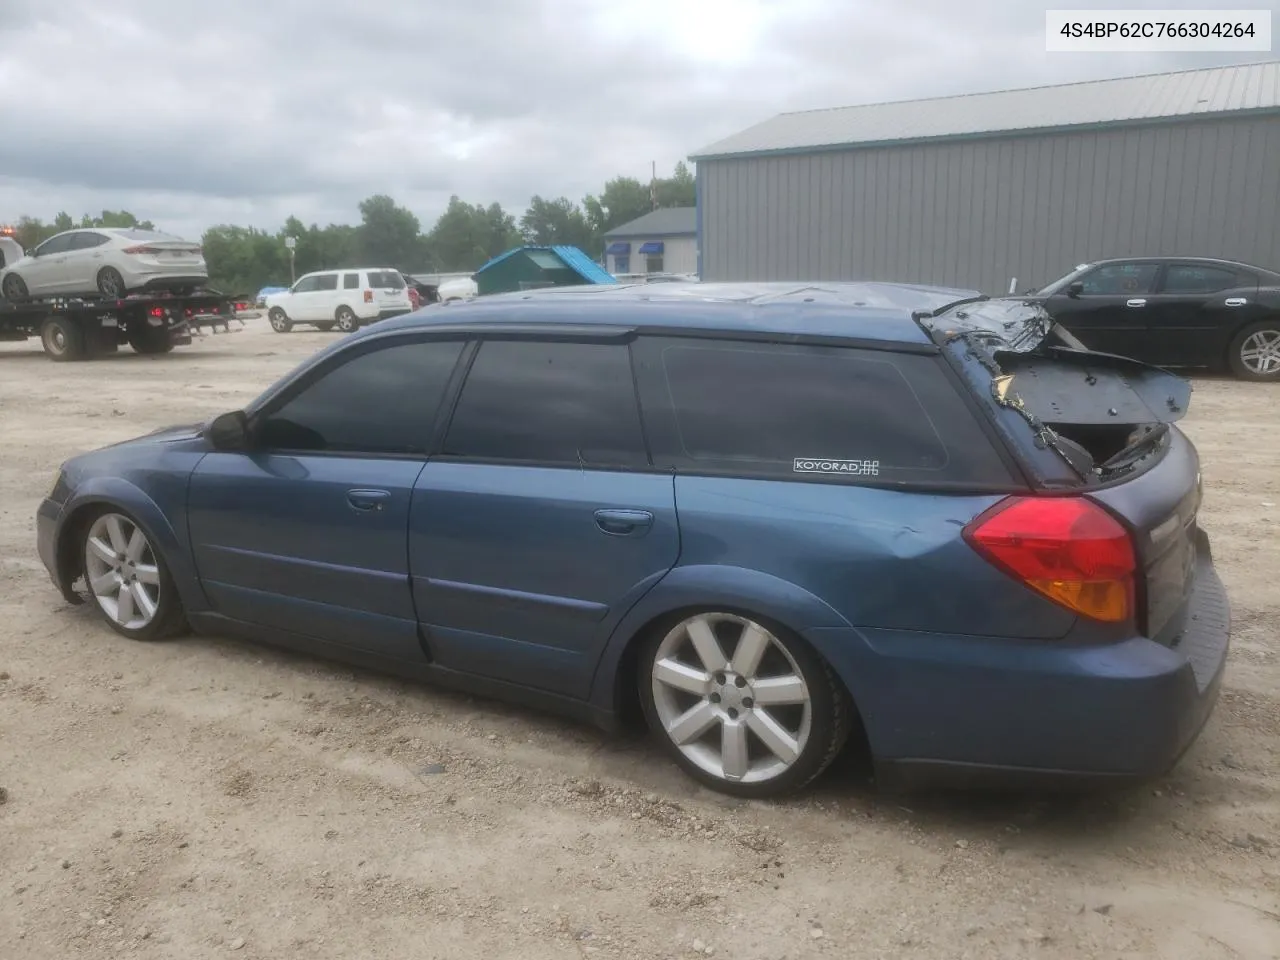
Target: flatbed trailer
{"points": [[85, 328]]}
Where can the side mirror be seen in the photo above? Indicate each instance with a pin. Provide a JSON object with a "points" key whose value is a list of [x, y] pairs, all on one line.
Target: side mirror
{"points": [[1075, 289], [229, 431]]}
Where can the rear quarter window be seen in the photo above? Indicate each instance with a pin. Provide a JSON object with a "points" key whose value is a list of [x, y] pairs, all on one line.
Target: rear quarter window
{"points": [[810, 412]]}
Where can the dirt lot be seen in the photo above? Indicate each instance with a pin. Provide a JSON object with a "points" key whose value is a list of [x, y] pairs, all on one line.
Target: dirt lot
{"points": [[205, 798]]}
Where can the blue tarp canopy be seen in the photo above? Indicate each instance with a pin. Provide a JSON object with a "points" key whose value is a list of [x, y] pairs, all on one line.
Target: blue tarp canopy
{"points": [[653, 246], [617, 249]]}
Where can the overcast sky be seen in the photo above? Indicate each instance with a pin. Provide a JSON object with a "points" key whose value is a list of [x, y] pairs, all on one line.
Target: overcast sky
{"points": [[245, 111]]}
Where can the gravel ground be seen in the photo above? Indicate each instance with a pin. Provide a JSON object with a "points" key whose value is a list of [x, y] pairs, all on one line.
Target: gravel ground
{"points": [[206, 797]]}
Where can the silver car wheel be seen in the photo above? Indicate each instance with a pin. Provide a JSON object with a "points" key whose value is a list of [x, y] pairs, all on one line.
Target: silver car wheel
{"points": [[744, 715], [1260, 352], [122, 571]]}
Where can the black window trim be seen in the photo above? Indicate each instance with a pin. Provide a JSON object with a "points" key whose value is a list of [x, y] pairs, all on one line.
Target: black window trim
{"points": [[311, 374], [623, 337]]}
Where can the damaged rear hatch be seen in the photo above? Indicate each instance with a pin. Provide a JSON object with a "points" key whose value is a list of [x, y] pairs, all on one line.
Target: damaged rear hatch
{"points": [[1089, 423]]}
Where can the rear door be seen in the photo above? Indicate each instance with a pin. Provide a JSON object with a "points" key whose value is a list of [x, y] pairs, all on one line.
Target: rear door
{"points": [[1197, 308], [84, 259], [541, 521], [323, 303], [1110, 314], [307, 532]]}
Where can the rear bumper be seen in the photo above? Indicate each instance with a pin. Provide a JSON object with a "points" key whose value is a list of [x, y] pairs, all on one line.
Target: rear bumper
{"points": [[977, 712]]}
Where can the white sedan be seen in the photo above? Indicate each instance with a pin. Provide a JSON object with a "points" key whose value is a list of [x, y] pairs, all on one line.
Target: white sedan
{"points": [[108, 261]]}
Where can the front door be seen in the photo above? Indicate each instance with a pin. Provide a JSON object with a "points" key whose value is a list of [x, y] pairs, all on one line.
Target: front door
{"points": [[46, 273], [541, 522], [307, 531], [1110, 314]]}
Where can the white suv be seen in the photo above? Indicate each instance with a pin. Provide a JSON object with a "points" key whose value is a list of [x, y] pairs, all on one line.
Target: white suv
{"points": [[340, 298]]}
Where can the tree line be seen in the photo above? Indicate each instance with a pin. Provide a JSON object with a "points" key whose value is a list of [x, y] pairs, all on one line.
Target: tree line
{"points": [[245, 259]]}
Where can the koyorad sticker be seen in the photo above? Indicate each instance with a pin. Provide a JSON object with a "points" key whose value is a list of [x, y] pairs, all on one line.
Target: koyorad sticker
{"points": [[854, 468]]}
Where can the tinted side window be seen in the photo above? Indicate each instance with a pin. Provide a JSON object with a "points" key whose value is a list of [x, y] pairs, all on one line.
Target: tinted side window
{"points": [[383, 401], [1120, 279], [1193, 278], [798, 411], [351, 281], [327, 281], [84, 241], [527, 400], [59, 244]]}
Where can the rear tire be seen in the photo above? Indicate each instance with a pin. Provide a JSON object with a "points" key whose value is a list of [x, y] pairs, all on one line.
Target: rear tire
{"points": [[346, 320], [111, 284], [151, 340], [62, 340], [279, 320], [742, 705], [14, 288], [1254, 353]]}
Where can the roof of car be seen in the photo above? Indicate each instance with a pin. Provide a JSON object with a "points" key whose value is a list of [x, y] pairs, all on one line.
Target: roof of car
{"points": [[863, 311]]}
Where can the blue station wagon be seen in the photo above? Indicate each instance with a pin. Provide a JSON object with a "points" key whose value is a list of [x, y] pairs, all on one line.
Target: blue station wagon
{"points": [[763, 517]]}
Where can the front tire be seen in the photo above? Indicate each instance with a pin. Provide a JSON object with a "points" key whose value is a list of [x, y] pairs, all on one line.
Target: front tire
{"points": [[345, 320], [14, 288], [745, 707], [128, 580], [1254, 353], [279, 320], [111, 284]]}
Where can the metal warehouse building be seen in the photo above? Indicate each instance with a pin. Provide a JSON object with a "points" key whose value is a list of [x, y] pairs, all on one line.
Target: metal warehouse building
{"points": [[976, 190]]}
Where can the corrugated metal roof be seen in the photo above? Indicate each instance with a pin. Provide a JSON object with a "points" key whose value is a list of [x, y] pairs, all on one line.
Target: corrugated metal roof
{"points": [[664, 222], [573, 258], [583, 265], [1187, 93]]}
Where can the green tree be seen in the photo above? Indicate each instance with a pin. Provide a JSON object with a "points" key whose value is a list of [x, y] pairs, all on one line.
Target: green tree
{"points": [[466, 235], [561, 220], [622, 200], [388, 234], [678, 190]]}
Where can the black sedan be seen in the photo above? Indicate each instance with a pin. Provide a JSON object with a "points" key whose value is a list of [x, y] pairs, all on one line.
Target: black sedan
{"points": [[1175, 312]]}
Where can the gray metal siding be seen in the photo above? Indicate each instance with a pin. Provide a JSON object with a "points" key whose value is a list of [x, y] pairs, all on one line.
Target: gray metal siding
{"points": [[974, 213]]}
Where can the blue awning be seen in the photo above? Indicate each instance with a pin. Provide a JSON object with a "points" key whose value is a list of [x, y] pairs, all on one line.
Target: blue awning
{"points": [[653, 246], [617, 249]]}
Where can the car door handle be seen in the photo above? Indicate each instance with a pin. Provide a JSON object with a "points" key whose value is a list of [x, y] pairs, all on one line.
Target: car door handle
{"points": [[1235, 301], [624, 523], [368, 501], [1136, 302]]}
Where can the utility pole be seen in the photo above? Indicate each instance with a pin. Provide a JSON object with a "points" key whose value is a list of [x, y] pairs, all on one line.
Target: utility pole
{"points": [[653, 184]]}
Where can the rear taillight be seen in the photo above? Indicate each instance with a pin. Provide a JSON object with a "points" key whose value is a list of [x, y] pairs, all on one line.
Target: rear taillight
{"points": [[1067, 548], [368, 296], [156, 311]]}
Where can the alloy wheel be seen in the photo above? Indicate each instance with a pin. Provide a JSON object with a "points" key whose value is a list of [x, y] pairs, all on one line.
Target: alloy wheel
{"points": [[122, 571], [1260, 352], [731, 698]]}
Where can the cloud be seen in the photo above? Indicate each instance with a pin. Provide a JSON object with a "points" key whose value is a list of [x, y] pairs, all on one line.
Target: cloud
{"points": [[249, 110]]}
